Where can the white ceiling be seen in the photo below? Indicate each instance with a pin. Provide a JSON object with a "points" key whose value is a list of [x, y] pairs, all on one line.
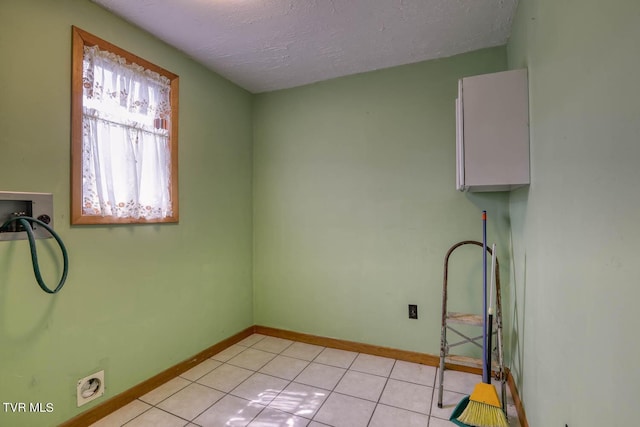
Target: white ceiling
{"points": [[265, 45]]}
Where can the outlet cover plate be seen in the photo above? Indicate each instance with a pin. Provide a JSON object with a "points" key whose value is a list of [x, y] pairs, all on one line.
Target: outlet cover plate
{"points": [[413, 311]]}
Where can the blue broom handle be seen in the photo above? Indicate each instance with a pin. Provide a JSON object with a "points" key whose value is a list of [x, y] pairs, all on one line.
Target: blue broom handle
{"points": [[485, 367]]}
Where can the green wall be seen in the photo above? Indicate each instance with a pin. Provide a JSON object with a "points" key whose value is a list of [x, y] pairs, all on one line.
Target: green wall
{"points": [[139, 299], [575, 230], [328, 208], [355, 204]]}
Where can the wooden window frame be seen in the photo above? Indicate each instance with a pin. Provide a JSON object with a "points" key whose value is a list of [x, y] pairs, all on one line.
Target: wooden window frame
{"points": [[80, 39]]}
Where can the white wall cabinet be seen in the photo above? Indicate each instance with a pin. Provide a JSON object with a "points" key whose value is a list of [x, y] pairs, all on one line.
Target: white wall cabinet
{"points": [[492, 132]]}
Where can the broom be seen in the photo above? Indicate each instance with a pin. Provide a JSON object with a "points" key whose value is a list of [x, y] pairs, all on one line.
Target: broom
{"points": [[483, 408]]}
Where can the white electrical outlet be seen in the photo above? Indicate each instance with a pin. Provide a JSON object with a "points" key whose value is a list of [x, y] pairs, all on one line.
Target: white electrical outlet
{"points": [[90, 387]]}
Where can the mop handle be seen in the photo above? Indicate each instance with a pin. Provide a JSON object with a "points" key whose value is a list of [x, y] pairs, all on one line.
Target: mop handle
{"points": [[490, 314], [485, 368], [493, 277]]}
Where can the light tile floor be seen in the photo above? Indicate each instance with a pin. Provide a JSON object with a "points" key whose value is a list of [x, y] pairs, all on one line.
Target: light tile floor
{"points": [[271, 382]]}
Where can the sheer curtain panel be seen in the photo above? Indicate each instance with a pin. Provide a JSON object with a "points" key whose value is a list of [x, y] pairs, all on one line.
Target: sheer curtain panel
{"points": [[126, 156]]}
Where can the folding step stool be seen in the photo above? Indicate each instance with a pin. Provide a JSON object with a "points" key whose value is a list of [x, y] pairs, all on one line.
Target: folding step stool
{"points": [[452, 318]]}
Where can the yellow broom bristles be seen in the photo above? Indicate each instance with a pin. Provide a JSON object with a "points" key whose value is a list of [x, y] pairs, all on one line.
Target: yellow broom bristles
{"points": [[483, 415], [483, 409]]}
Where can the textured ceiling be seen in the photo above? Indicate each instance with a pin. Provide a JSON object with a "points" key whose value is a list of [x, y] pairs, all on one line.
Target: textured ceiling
{"points": [[265, 45]]}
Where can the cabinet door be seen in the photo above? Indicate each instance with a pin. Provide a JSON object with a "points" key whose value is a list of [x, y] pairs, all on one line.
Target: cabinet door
{"points": [[495, 131]]}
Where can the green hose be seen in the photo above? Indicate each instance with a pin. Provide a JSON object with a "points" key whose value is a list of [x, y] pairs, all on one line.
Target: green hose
{"points": [[24, 221]]}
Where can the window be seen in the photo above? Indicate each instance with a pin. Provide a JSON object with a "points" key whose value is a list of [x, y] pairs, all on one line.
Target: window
{"points": [[124, 136]]}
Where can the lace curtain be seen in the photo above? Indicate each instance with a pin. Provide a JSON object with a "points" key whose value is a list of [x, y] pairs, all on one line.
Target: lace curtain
{"points": [[125, 154]]}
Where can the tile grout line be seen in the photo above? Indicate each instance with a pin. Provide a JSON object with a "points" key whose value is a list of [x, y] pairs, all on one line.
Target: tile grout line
{"points": [[252, 370], [137, 416], [207, 408], [225, 393], [433, 393], [280, 392], [290, 381], [213, 388], [338, 382], [155, 405], [255, 372], [149, 409], [350, 368], [382, 391]]}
